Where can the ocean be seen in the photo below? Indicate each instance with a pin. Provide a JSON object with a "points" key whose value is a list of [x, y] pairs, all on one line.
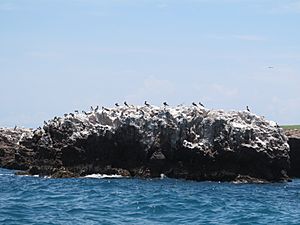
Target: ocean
{"points": [[34, 200]]}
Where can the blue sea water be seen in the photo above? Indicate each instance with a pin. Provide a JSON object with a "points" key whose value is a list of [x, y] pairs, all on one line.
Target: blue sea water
{"points": [[34, 200]]}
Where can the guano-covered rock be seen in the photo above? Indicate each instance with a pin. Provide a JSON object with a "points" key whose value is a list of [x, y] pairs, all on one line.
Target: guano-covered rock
{"points": [[146, 141]]}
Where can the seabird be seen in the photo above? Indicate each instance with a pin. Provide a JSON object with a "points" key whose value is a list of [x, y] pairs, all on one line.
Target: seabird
{"points": [[165, 104], [117, 105], [92, 109], [66, 114], [87, 113], [146, 103], [76, 111], [97, 107], [247, 108], [125, 103], [194, 104], [15, 127], [103, 108], [72, 114], [201, 104], [45, 122]]}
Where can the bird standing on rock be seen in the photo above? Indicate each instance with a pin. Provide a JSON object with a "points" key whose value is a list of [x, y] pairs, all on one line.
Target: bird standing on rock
{"points": [[201, 104], [92, 109], [125, 103], [165, 104], [76, 111], [103, 108], [194, 104], [146, 103], [247, 108], [117, 105], [97, 107]]}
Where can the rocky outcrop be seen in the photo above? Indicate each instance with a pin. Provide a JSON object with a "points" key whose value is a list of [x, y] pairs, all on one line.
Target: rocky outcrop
{"points": [[183, 142], [294, 142]]}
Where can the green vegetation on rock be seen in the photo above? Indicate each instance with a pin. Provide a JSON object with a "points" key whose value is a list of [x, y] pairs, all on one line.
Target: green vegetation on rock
{"points": [[291, 126]]}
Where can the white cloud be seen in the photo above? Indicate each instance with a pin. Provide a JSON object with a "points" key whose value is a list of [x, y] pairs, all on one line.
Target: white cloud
{"points": [[286, 110], [7, 6], [162, 5], [46, 55], [224, 91], [153, 89], [249, 37], [242, 37], [288, 6], [133, 50]]}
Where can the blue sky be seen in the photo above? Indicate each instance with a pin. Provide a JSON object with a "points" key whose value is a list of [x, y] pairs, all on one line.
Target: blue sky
{"points": [[58, 56]]}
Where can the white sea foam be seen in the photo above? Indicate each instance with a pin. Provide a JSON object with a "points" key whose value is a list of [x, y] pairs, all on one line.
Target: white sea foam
{"points": [[27, 175], [103, 176], [163, 176], [6, 174]]}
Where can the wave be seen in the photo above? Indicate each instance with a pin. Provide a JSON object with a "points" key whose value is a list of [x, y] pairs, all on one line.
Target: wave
{"points": [[27, 175], [104, 176], [6, 174]]}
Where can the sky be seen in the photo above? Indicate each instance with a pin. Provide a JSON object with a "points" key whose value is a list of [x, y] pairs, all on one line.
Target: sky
{"points": [[60, 56]]}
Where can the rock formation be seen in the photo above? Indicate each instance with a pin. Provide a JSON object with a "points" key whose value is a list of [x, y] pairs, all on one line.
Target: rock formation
{"points": [[294, 142], [147, 141]]}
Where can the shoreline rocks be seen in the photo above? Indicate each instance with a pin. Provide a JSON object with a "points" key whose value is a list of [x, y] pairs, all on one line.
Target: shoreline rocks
{"points": [[192, 143]]}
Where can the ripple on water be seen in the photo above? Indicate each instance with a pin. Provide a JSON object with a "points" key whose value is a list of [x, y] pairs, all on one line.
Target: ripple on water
{"points": [[31, 200]]}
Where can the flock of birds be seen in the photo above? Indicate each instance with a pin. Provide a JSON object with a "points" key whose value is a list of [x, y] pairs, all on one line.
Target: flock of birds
{"points": [[127, 105], [146, 104], [117, 105]]}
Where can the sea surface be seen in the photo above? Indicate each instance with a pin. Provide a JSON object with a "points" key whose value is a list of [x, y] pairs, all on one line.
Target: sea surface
{"points": [[34, 200]]}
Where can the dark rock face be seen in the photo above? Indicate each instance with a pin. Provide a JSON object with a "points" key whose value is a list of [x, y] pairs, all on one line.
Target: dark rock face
{"points": [[295, 157], [294, 142], [184, 142]]}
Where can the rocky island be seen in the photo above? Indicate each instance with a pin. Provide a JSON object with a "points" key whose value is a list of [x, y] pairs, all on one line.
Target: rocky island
{"points": [[188, 142]]}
